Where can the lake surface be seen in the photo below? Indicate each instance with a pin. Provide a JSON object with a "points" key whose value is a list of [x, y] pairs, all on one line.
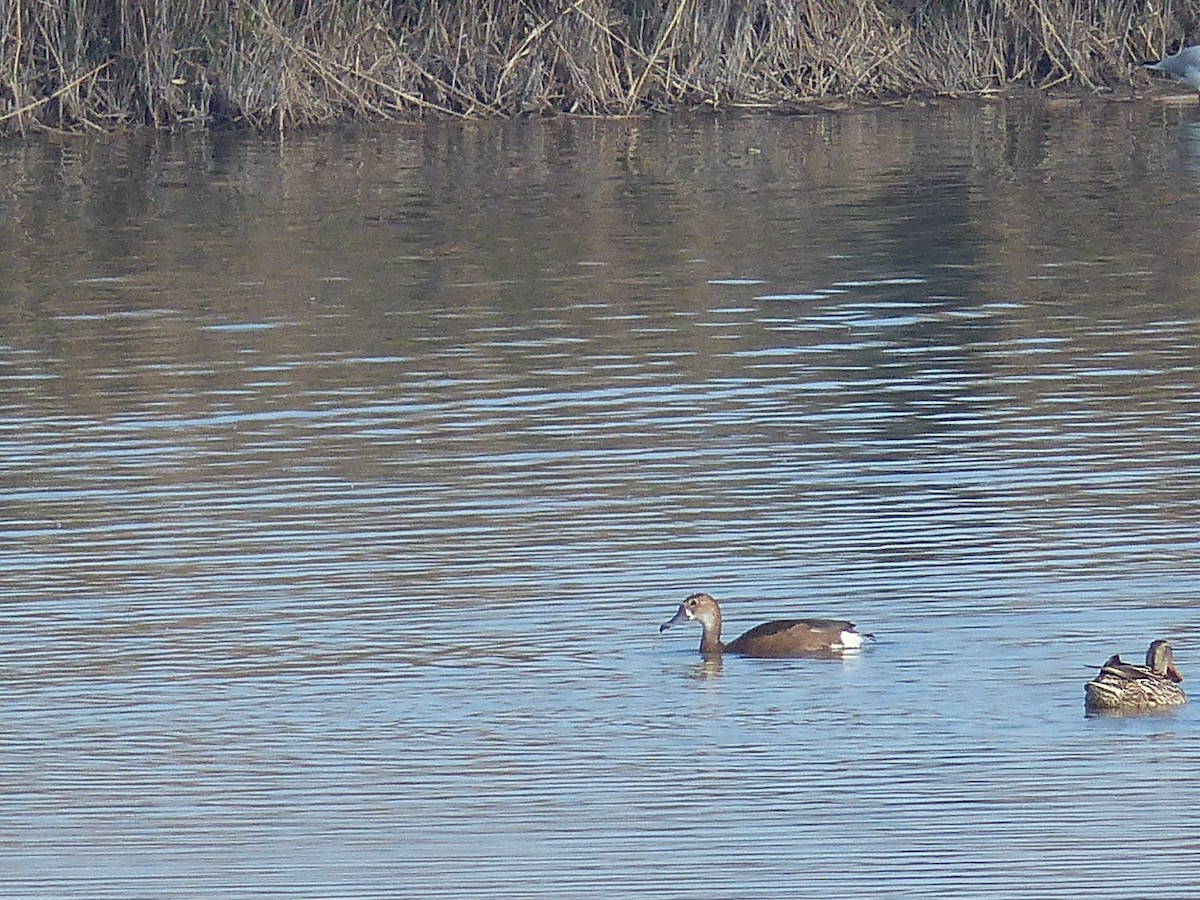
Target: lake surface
{"points": [[346, 483]]}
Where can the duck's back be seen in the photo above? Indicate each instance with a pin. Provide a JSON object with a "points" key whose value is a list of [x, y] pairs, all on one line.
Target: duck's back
{"points": [[796, 637]]}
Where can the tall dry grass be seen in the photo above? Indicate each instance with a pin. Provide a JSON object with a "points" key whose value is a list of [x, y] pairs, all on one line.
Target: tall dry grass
{"points": [[282, 64]]}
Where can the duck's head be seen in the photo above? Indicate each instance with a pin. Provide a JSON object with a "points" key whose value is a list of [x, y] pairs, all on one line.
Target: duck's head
{"points": [[699, 607], [1161, 661]]}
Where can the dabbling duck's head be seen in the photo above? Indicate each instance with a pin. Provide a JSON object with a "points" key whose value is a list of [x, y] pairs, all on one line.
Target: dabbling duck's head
{"points": [[1161, 661], [699, 607]]}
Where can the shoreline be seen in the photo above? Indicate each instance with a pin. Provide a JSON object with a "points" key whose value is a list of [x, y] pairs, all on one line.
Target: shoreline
{"points": [[279, 66]]}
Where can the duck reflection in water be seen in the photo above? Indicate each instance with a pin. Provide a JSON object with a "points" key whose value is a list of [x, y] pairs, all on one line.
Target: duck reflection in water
{"points": [[776, 640], [1123, 687], [708, 668]]}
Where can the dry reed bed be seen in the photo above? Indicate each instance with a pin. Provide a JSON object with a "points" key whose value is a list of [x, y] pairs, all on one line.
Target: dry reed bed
{"points": [[282, 64]]}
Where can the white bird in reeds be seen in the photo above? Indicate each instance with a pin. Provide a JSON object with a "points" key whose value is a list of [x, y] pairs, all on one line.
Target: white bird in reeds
{"points": [[1183, 66]]}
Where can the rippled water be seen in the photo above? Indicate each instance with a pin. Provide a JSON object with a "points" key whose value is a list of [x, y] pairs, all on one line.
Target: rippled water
{"points": [[346, 484]]}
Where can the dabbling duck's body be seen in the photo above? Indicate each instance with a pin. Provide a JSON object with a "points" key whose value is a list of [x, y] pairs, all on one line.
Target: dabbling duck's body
{"points": [[778, 639]]}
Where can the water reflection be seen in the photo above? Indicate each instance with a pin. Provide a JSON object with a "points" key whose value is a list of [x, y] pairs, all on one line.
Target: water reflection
{"points": [[1160, 712], [708, 667], [346, 483], [1189, 146]]}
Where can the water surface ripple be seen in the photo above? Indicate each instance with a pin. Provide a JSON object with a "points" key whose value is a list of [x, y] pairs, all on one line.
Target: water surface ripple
{"points": [[346, 484]]}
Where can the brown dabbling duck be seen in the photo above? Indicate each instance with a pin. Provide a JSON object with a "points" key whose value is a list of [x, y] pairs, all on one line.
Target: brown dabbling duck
{"points": [[784, 638], [1124, 686]]}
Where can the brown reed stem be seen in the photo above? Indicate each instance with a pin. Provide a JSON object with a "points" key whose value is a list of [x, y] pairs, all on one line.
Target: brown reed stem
{"points": [[70, 85]]}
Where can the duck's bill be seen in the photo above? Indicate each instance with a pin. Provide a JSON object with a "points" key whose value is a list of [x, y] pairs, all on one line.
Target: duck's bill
{"points": [[680, 616], [1173, 674]]}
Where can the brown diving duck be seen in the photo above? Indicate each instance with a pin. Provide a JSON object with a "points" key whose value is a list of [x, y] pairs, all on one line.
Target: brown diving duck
{"points": [[784, 638], [1124, 686]]}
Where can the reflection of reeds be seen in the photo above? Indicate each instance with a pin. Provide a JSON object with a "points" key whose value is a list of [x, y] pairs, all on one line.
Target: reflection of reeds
{"points": [[278, 64]]}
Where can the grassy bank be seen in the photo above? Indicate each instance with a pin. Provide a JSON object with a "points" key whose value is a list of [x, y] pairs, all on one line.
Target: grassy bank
{"points": [[280, 64]]}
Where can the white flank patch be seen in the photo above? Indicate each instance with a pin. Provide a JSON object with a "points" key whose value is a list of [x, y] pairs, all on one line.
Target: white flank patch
{"points": [[851, 640]]}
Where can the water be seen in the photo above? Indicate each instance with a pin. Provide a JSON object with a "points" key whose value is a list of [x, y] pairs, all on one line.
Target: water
{"points": [[346, 483]]}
